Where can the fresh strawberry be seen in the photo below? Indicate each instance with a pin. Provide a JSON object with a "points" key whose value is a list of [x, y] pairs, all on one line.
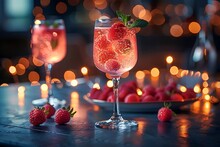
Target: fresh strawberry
{"points": [[95, 93], [123, 46], [112, 65], [63, 115], [165, 113], [50, 110], [117, 31], [148, 98], [132, 98], [176, 97], [148, 90], [37, 116]]}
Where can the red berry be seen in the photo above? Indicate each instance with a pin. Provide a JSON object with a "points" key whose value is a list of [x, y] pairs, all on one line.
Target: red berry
{"points": [[50, 110], [123, 46], [148, 98], [112, 65], [148, 90], [102, 43], [111, 98], [95, 93], [132, 98], [162, 96], [117, 31], [37, 116], [123, 92], [105, 56], [164, 114], [105, 93], [63, 115], [176, 97]]}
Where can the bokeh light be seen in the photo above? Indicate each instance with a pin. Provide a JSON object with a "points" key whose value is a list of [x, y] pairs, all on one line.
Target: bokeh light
{"points": [[69, 75], [45, 2], [169, 59], [176, 30], [20, 69], [33, 76], [155, 72], [12, 70], [140, 75], [61, 7], [194, 27]]}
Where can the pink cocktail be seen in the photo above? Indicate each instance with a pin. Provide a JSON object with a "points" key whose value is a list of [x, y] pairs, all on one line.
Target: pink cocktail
{"points": [[48, 44], [114, 52]]}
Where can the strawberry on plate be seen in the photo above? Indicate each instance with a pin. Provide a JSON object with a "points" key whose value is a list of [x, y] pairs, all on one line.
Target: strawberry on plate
{"points": [[132, 98], [37, 116], [63, 115], [165, 113], [50, 110]]}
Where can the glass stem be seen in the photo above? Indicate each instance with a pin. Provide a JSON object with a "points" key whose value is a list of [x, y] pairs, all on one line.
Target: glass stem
{"points": [[48, 68], [116, 112]]}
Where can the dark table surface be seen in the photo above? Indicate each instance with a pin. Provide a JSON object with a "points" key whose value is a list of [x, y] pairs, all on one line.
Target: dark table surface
{"points": [[197, 124]]}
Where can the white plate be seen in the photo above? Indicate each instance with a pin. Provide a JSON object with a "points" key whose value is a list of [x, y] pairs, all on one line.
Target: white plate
{"points": [[139, 107]]}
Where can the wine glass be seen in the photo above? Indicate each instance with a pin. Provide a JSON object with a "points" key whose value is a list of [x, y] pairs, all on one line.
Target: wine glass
{"points": [[114, 53], [48, 44]]}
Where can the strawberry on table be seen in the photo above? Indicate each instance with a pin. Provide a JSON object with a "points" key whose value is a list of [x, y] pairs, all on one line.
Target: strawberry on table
{"points": [[165, 113], [50, 110], [37, 116], [63, 115]]}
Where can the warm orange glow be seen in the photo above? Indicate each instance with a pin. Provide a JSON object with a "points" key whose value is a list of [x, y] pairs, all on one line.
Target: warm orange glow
{"points": [[37, 10], [197, 88], [155, 72], [205, 84], [194, 27], [183, 73], [20, 69], [33, 76], [55, 80], [74, 83], [100, 4], [95, 108], [176, 30], [183, 88], [217, 84], [169, 59], [140, 75], [157, 17], [21, 89], [40, 16], [35, 83], [61, 7], [37, 62], [4, 84], [24, 62], [84, 70], [205, 76], [207, 97], [183, 127], [109, 83], [69, 75], [137, 9], [139, 92], [44, 2], [74, 101], [174, 70], [94, 14], [206, 108], [146, 16], [21, 99], [12, 70], [108, 76], [215, 20], [44, 87], [125, 75], [88, 4], [205, 90], [96, 85]]}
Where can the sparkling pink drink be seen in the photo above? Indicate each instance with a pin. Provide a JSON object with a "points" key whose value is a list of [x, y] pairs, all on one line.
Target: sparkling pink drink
{"points": [[114, 53], [49, 42]]}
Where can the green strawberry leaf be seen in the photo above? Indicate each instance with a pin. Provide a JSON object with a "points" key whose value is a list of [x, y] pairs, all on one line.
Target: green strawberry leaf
{"points": [[54, 43], [139, 23], [55, 25]]}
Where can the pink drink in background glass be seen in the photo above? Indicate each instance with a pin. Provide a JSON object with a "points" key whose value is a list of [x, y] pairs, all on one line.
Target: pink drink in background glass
{"points": [[114, 56], [48, 43]]}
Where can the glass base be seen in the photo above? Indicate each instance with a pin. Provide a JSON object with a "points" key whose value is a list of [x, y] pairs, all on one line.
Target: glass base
{"points": [[116, 123], [53, 101]]}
